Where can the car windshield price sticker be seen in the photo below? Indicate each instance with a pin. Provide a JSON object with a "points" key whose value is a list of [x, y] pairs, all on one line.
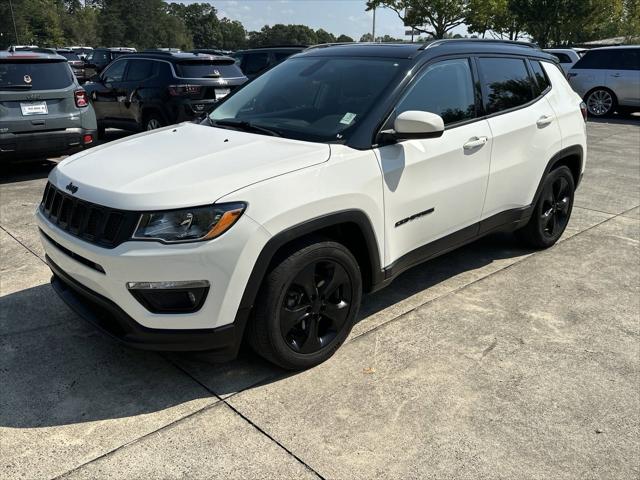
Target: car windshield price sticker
{"points": [[35, 108], [348, 118]]}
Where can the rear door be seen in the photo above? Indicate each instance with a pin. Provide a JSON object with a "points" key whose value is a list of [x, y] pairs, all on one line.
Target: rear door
{"points": [[525, 134], [108, 94], [140, 85], [623, 75], [37, 95]]}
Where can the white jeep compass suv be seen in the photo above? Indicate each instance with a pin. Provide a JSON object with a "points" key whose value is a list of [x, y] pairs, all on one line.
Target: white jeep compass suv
{"points": [[324, 178]]}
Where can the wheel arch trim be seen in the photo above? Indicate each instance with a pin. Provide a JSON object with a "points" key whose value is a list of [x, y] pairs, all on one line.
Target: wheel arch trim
{"points": [[308, 227], [558, 159]]}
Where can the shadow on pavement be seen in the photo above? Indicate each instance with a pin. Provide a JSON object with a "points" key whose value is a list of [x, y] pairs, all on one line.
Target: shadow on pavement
{"points": [[58, 370], [25, 170], [619, 118]]}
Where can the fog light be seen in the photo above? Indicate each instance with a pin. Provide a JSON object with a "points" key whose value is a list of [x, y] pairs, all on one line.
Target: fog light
{"points": [[171, 296]]}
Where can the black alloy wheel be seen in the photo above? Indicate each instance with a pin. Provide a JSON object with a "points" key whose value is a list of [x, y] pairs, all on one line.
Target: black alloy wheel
{"points": [[552, 211], [556, 201], [307, 304], [315, 306]]}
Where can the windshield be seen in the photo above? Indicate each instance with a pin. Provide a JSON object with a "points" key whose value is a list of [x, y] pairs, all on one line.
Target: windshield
{"points": [[35, 76], [315, 98]]}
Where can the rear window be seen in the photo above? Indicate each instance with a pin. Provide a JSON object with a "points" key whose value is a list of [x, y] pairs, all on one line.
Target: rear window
{"points": [[69, 55], [35, 76], [593, 59], [507, 82], [208, 70], [562, 57]]}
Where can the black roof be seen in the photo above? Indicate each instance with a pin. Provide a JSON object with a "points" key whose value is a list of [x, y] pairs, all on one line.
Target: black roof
{"points": [[429, 49], [296, 48]]}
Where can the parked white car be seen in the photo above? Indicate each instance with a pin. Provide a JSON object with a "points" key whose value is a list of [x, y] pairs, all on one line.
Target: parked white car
{"points": [[324, 178], [608, 79], [567, 57]]}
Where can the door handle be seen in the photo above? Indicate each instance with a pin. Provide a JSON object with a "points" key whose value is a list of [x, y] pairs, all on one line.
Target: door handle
{"points": [[615, 75], [544, 120], [475, 142]]}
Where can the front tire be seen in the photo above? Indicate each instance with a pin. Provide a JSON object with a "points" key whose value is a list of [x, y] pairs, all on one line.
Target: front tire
{"points": [[307, 305], [552, 211]]}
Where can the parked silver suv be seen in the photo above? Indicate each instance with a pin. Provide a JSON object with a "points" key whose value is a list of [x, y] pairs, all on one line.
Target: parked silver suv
{"points": [[608, 79], [43, 109]]}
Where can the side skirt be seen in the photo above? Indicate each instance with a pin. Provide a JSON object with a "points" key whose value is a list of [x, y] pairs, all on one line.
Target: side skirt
{"points": [[507, 221]]}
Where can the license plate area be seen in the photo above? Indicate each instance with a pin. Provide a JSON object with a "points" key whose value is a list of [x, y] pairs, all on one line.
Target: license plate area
{"points": [[34, 108]]}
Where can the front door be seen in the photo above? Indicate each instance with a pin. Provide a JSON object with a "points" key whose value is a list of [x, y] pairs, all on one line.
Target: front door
{"points": [[107, 95], [434, 188]]}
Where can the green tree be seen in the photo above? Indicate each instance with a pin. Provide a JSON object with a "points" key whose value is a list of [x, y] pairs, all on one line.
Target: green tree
{"points": [[200, 21], [233, 36], [433, 17], [494, 17], [367, 37], [344, 39], [323, 36], [280, 34]]}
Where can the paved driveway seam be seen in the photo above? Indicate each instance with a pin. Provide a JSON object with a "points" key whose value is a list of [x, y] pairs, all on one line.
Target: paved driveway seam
{"points": [[27, 248], [462, 287]]}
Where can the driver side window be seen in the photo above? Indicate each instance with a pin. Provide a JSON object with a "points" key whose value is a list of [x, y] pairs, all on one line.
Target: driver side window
{"points": [[114, 72], [444, 88]]}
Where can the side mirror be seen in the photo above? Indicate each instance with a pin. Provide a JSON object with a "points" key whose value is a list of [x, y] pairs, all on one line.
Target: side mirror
{"points": [[414, 124]]}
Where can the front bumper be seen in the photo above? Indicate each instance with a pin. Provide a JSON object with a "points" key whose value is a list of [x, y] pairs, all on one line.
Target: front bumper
{"points": [[223, 342], [224, 262], [33, 144]]}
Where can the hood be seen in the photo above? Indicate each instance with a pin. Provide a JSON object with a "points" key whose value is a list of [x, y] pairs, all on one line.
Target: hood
{"points": [[181, 166]]}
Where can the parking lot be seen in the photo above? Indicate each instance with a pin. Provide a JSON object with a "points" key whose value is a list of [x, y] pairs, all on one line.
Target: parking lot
{"points": [[489, 362]]}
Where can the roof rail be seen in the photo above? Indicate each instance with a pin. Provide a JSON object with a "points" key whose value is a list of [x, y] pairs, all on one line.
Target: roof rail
{"points": [[332, 44], [435, 43]]}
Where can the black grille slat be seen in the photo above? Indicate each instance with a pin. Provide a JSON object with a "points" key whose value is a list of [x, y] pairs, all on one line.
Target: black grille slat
{"points": [[103, 226]]}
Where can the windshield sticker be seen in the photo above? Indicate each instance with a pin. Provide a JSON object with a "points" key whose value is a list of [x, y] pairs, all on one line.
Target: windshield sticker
{"points": [[348, 118]]}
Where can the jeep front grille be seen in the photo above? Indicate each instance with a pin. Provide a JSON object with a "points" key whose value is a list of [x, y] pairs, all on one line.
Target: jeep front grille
{"points": [[103, 226]]}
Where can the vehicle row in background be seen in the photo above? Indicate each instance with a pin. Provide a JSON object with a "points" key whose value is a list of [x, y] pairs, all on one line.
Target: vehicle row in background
{"points": [[608, 79], [256, 61], [149, 90]]}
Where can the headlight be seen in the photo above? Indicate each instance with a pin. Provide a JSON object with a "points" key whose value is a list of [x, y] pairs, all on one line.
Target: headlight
{"points": [[189, 224]]}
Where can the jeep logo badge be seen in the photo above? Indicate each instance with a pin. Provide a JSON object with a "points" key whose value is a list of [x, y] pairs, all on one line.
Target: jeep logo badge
{"points": [[71, 187], [27, 79]]}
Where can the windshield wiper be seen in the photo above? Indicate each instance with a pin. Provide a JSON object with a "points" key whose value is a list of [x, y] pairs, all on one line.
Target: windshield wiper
{"points": [[243, 125], [16, 87]]}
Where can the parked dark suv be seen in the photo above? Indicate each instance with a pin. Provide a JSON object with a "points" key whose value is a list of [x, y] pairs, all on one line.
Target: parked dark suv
{"points": [[148, 90], [99, 58], [43, 109], [75, 62], [256, 61]]}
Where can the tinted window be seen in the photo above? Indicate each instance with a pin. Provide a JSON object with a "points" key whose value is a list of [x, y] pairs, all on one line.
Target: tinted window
{"points": [[593, 59], [445, 88], [208, 69], [562, 57], [140, 70], [542, 81], [114, 72], [256, 62], [69, 55], [314, 98], [281, 56], [624, 59], [507, 82], [100, 57], [35, 76]]}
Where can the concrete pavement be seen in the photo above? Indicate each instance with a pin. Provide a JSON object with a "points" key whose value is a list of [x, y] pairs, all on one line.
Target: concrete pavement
{"points": [[489, 362]]}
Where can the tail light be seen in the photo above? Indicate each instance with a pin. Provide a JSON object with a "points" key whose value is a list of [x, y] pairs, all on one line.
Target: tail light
{"points": [[583, 110], [184, 90], [81, 97]]}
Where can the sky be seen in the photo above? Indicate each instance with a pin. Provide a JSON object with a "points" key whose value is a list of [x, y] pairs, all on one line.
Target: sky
{"points": [[335, 16]]}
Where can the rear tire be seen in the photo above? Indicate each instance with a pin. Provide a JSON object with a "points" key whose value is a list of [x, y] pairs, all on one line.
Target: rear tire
{"points": [[552, 212], [152, 121], [307, 305], [601, 102]]}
